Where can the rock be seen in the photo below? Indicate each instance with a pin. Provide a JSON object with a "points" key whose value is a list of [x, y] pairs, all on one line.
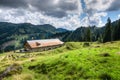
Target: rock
{"points": [[105, 54], [97, 46], [11, 70], [118, 53], [32, 60]]}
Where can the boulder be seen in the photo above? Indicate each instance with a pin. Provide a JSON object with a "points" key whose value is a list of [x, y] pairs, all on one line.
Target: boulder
{"points": [[11, 70]]}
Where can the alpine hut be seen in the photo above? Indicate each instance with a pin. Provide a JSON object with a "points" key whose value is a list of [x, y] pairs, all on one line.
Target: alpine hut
{"points": [[42, 45]]}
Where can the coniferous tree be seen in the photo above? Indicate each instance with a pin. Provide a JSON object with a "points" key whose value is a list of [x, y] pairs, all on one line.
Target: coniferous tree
{"points": [[88, 35], [116, 31], [107, 34]]}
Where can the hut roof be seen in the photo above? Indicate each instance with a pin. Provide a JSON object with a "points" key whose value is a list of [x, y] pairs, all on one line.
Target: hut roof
{"points": [[44, 43]]}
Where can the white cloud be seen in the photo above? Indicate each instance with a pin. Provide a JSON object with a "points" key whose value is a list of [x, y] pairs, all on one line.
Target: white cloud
{"points": [[69, 22], [61, 13], [119, 16], [95, 19], [95, 10], [98, 5], [0, 10], [57, 8]]}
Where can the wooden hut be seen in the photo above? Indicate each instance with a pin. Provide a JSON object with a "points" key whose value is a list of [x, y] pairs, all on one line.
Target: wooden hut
{"points": [[42, 45]]}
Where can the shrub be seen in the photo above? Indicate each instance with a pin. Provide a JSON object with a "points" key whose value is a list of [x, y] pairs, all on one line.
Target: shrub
{"points": [[105, 77], [44, 68], [69, 46], [105, 54], [103, 60], [86, 44], [31, 67], [9, 48], [40, 68], [72, 45]]}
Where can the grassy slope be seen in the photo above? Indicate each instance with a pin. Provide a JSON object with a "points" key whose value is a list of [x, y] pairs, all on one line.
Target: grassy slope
{"points": [[70, 62]]}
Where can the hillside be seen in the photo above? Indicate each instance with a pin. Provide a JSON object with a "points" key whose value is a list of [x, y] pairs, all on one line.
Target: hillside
{"points": [[97, 33], [73, 61], [79, 33]]}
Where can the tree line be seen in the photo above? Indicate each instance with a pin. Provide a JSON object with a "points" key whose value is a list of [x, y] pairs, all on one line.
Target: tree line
{"points": [[111, 32]]}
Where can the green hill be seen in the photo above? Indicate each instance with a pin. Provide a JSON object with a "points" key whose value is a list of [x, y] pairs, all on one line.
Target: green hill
{"points": [[73, 61], [79, 34]]}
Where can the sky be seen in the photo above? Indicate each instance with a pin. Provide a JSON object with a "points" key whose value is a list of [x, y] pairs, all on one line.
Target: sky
{"points": [[68, 14]]}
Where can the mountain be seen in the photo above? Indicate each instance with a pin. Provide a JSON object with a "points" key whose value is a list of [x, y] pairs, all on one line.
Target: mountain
{"points": [[79, 33], [96, 33], [61, 30], [14, 35], [62, 35]]}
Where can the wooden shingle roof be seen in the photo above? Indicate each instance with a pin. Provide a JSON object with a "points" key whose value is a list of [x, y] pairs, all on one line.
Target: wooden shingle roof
{"points": [[44, 43]]}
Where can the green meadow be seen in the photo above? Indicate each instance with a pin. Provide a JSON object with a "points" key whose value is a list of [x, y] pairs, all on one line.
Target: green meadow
{"points": [[73, 61]]}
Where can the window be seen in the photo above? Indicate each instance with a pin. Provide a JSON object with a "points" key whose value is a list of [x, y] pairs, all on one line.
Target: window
{"points": [[38, 44]]}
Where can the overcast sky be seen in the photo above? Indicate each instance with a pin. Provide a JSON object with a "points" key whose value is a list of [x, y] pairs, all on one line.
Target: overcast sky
{"points": [[69, 14]]}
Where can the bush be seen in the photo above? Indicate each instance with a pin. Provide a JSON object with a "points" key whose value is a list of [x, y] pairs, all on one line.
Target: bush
{"points": [[86, 44], [44, 68], [105, 77], [40, 68], [9, 48], [72, 45], [69, 46], [105, 54]]}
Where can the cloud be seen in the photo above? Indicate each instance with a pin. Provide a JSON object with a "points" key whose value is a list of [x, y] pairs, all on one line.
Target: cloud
{"points": [[114, 6], [55, 8], [119, 16], [95, 19], [13, 3], [60, 13], [101, 5], [93, 6], [0, 10], [96, 9], [21, 16]]}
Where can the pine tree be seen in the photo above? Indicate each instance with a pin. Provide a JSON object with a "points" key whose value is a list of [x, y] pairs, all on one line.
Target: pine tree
{"points": [[107, 34], [116, 31], [88, 35]]}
